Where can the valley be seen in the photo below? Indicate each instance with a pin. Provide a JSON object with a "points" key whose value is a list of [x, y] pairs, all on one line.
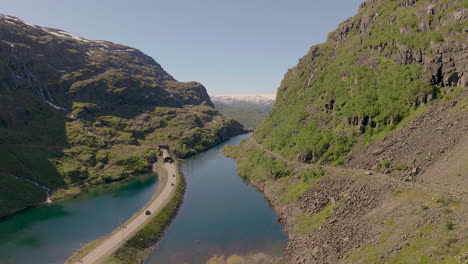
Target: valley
{"points": [[77, 112], [361, 156]]}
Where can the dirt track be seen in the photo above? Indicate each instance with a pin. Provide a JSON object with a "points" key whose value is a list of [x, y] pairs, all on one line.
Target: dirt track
{"points": [[383, 215], [459, 193]]}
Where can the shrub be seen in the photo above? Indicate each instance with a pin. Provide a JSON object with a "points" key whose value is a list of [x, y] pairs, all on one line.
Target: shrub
{"points": [[449, 225], [385, 164], [401, 166]]}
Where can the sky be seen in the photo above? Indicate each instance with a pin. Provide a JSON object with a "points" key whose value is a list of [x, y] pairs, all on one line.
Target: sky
{"points": [[230, 46]]}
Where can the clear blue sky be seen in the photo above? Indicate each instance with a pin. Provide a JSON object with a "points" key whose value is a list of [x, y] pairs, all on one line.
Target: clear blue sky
{"points": [[231, 46]]}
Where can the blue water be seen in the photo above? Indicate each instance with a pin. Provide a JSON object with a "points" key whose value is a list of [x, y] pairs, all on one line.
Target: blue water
{"points": [[48, 234], [221, 215]]}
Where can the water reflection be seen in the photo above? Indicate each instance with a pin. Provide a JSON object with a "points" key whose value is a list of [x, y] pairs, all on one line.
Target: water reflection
{"points": [[222, 218], [22, 221], [49, 233]]}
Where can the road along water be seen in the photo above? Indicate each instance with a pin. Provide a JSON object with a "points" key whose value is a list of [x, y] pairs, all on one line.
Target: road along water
{"points": [[48, 234], [221, 218]]}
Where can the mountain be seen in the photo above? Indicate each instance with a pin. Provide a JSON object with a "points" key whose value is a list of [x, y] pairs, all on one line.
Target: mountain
{"points": [[249, 109], [364, 153], [262, 102], [76, 112]]}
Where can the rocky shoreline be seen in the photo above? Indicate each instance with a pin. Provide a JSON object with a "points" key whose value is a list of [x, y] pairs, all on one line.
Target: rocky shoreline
{"points": [[376, 217]]}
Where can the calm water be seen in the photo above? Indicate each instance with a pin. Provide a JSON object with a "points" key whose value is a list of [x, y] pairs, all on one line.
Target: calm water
{"points": [[221, 215], [48, 234]]}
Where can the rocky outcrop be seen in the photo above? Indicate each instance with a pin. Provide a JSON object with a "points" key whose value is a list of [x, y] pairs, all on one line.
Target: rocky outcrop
{"points": [[372, 71], [382, 107], [446, 62], [415, 148], [63, 68]]}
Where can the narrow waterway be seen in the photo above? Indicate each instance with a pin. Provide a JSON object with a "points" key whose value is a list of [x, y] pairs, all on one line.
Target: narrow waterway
{"points": [[49, 233], [221, 218]]}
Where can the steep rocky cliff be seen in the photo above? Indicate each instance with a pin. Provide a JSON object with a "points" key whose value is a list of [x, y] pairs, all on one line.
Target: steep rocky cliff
{"points": [[372, 72], [75, 112], [364, 154]]}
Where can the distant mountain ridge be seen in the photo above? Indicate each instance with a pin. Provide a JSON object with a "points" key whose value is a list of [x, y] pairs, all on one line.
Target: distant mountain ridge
{"points": [[249, 109], [76, 112], [262, 102]]}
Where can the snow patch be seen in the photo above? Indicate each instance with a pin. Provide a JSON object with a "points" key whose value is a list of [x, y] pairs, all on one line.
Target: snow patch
{"points": [[123, 50], [63, 34], [10, 19], [250, 98], [9, 43], [29, 24]]}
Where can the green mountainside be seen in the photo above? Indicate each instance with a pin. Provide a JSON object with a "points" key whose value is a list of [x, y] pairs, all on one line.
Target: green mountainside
{"points": [[76, 112], [248, 117], [364, 154], [374, 71]]}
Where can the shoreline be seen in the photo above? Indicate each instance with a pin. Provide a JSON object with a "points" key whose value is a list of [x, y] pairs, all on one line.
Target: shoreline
{"points": [[105, 248]]}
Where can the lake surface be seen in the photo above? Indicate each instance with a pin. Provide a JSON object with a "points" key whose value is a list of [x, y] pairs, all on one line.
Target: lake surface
{"points": [[221, 217], [47, 234]]}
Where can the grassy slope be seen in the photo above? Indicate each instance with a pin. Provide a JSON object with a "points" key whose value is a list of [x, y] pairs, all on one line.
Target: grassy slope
{"points": [[255, 166], [248, 117], [121, 106], [361, 83], [433, 234]]}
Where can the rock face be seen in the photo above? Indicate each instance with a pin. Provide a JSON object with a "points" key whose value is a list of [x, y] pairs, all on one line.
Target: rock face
{"points": [[372, 72], [381, 108], [445, 58], [79, 111], [422, 141], [63, 68]]}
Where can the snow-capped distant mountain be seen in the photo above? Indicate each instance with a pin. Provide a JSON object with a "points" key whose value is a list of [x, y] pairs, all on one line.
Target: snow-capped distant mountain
{"points": [[262, 102]]}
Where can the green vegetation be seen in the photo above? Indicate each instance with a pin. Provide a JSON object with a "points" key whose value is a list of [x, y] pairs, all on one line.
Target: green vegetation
{"points": [[401, 166], [369, 79], [31, 194], [255, 166], [442, 242], [248, 117], [449, 225], [306, 224], [301, 183], [429, 246], [384, 164], [136, 249], [111, 111], [104, 148], [355, 89]]}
